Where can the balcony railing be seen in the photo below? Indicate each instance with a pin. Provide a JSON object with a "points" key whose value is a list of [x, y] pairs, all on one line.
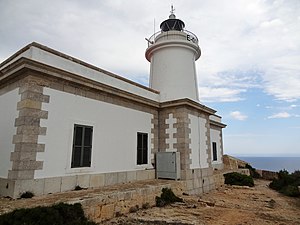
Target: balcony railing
{"points": [[185, 34]]}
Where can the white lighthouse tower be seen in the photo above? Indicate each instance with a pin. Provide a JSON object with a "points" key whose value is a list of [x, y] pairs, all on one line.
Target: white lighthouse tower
{"points": [[172, 53]]}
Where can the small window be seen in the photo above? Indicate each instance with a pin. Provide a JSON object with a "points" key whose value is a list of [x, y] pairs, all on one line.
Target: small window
{"points": [[142, 148], [82, 146], [215, 157]]}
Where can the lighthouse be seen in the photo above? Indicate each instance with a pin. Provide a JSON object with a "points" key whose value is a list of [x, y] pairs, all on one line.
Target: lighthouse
{"points": [[172, 53]]}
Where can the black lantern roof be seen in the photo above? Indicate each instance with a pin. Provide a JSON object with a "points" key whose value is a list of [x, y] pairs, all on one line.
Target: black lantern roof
{"points": [[172, 24]]}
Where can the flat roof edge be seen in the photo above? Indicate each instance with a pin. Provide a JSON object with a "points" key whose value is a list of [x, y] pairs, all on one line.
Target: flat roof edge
{"points": [[78, 61]]}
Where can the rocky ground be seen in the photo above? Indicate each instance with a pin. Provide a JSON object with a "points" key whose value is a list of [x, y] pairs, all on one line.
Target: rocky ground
{"points": [[230, 205]]}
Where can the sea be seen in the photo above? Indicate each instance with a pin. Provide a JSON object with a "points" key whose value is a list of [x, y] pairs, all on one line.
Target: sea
{"points": [[273, 163]]}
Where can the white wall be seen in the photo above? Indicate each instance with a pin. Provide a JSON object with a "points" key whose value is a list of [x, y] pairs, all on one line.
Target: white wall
{"points": [[8, 114], [114, 135], [173, 73], [215, 136], [198, 142]]}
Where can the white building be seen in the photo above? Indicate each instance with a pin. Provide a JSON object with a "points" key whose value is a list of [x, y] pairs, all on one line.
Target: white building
{"points": [[66, 123]]}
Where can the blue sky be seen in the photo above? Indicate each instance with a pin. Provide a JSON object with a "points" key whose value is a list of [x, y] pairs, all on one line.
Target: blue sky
{"points": [[249, 70]]}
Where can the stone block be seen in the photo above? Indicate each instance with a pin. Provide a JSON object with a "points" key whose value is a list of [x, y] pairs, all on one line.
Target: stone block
{"points": [[34, 186], [68, 183], [83, 180], [20, 174], [7, 188], [27, 165], [122, 177], [30, 87], [131, 176], [26, 156], [27, 120], [111, 179], [97, 180], [107, 211], [35, 96], [190, 184], [22, 138], [142, 175], [151, 174], [37, 113], [97, 212], [52, 185], [206, 188], [197, 183], [28, 103], [29, 147]]}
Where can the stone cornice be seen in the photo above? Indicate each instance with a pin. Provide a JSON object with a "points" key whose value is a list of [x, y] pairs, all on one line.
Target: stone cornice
{"points": [[217, 124], [75, 60], [190, 103]]}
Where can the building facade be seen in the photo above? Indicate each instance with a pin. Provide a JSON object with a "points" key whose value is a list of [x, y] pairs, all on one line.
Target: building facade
{"points": [[65, 123]]}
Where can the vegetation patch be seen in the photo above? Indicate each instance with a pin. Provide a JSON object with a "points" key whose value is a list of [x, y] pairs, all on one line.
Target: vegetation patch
{"points": [[253, 172], [27, 194], [238, 179], [167, 197], [286, 183], [60, 214]]}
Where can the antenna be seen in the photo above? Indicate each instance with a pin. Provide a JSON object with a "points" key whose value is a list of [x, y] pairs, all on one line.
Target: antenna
{"points": [[172, 9]]}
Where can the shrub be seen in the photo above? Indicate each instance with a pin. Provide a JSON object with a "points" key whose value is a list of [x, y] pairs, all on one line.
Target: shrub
{"points": [[253, 172], [78, 188], [238, 179], [286, 183], [167, 197], [27, 194], [291, 191], [60, 214]]}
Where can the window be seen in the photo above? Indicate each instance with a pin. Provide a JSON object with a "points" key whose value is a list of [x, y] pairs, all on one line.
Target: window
{"points": [[82, 146], [215, 157], [142, 148]]}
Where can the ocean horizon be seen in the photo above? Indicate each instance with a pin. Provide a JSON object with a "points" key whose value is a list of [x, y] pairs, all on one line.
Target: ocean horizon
{"points": [[273, 163]]}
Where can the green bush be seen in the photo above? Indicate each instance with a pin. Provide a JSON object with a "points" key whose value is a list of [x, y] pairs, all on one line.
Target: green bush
{"points": [[60, 214], [253, 172], [167, 197], [286, 183], [238, 179], [27, 194]]}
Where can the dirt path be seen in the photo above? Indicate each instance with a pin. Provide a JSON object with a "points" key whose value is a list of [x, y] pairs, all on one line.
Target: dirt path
{"points": [[226, 206]]}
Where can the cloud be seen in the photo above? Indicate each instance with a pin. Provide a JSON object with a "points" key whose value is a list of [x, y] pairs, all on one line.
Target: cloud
{"points": [[238, 115], [280, 115], [220, 94], [256, 46]]}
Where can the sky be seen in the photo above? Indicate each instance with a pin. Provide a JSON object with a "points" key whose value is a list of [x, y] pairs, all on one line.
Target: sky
{"points": [[249, 70]]}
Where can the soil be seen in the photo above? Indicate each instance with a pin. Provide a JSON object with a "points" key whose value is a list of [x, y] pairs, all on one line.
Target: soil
{"points": [[229, 205]]}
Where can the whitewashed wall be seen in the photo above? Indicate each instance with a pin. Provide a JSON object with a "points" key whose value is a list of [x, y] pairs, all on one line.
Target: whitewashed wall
{"points": [[114, 135], [215, 137], [8, 114], [198, 142]]}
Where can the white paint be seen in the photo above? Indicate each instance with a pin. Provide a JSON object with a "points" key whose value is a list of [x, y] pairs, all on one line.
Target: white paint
{"points": [[48, 58], [172, 70], [114, 135], [9, 113], [171, 131], [198, 144], [215, 136]]}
